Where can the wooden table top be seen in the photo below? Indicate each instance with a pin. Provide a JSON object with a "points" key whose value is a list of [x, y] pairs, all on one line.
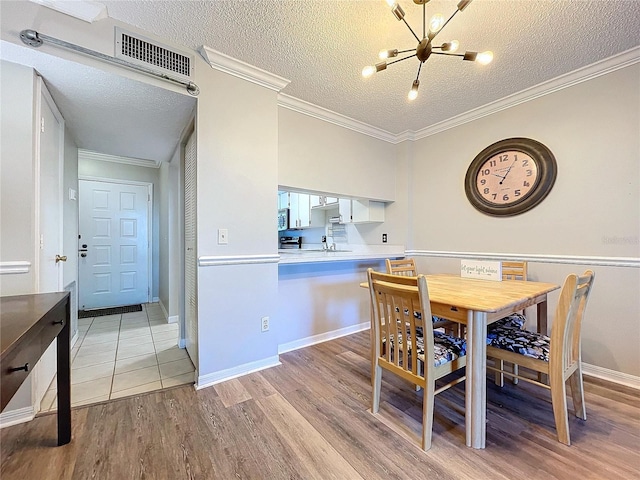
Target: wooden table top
{"points": [[482, 295], [19, 313]]}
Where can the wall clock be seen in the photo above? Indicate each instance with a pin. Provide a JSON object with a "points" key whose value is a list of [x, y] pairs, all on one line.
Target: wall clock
{"points": [[510, 177]]}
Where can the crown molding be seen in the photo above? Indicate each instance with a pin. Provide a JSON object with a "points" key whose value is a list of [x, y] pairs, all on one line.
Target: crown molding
{"points": [[321, 113], [138, 162], [608, 65], [240, 69]]}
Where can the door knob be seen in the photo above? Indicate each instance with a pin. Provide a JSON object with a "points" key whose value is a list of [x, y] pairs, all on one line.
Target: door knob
{"points": [[61, 258], [83, 255]]}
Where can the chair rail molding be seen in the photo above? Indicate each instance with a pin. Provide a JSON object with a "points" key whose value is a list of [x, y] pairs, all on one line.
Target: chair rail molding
{"points": [[14, 267], [633, 262], [217, 260]]}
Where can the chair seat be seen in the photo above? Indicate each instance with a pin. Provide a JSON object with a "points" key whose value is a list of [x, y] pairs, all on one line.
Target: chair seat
{"points": [[515, 320], [446, 347], [517, 340]]}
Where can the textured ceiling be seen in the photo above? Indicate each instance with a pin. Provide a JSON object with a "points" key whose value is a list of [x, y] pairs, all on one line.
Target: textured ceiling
{"points": [[108, 113], [322, 46]]}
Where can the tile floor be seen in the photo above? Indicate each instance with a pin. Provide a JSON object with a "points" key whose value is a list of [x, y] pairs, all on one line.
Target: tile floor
{"points": [[120, 355]]}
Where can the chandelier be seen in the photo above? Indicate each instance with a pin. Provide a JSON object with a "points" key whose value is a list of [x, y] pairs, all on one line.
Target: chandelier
{"points": [[425, 47]]}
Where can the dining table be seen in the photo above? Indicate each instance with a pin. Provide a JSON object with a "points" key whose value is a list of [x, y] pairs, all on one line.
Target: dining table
{"points": [[477, 303]]}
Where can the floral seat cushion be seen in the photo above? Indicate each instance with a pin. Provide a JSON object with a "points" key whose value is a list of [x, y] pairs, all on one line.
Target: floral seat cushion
{"points": [[524, 342], [515, 320], [446, 348]]}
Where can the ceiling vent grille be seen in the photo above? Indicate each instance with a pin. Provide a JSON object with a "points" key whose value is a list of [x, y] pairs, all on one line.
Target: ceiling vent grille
{"points": [[143, 51]]}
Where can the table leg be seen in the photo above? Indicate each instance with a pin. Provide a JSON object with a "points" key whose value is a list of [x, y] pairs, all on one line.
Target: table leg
{"points": [[476, 385], [63, 343]]}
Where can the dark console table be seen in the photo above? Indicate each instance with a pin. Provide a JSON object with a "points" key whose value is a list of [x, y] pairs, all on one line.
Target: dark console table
{"points": [[28, 325]]}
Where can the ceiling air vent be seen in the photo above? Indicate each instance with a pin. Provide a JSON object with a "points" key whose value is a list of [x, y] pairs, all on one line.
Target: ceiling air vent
{"points": [[137, 49]]}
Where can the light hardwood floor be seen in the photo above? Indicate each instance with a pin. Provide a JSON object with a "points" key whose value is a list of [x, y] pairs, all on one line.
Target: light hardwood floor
{"points": [[308, 419]]}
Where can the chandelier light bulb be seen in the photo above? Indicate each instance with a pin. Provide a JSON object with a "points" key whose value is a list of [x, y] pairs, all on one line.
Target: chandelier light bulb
{"points": [[436, 22], [455, 44], [391, 3], [413, 93], [384, 54], [485, 58], [368, 71]]}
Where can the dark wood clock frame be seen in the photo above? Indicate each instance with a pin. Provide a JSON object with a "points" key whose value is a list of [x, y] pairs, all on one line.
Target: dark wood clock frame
{"points": [[547, 171]]}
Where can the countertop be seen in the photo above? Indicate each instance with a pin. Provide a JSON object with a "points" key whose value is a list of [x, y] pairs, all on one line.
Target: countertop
{"points": [[343, 254]]}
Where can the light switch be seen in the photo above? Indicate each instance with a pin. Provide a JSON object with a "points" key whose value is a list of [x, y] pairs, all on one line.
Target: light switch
{"points": [[223, 236]]}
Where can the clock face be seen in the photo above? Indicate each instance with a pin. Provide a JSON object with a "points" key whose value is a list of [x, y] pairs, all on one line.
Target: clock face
{"points": [[507, 177], [510, 177]]}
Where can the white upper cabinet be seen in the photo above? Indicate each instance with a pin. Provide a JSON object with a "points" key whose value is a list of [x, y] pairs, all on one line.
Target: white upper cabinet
{"points": [[367, 211]]}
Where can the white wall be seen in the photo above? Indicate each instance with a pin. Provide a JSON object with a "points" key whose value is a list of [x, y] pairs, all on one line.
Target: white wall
{"points": [[320, 156], [17, 209], [593, 211], [237, 151]]}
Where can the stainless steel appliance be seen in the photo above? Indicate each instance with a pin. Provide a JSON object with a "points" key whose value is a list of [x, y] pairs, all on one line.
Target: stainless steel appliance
{"points": [[283, 219], [290, 242]]}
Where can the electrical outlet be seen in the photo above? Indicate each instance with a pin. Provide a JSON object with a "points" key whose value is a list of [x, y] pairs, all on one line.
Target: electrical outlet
{"points": [[384, 238], [265, 324], [223, 236]]}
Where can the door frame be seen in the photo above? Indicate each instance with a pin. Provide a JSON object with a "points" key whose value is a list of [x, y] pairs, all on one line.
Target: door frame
{"points": [[37, 387], [149, 186]]}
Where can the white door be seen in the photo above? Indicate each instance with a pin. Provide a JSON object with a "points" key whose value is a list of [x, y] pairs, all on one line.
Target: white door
{"points": [[113, 244], [49, 163], [190, 255]]}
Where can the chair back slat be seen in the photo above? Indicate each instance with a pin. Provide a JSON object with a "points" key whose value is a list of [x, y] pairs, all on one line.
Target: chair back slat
{"points": [[406, 267], [514, 271], [566, 328]]}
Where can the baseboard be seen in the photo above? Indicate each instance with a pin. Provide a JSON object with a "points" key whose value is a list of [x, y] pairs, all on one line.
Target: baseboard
{"points": [[211, 379], [74, 339], [164, 310], [611, 376], [182, 343], [14, 417], [155, 299], [173, 319], [322, 337]]}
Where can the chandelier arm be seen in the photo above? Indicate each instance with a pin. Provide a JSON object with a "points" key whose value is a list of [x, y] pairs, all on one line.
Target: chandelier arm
{"points": [[448, 54], [400, 59], [419, 68], [424, 20], [433, 35], [411, 29]]}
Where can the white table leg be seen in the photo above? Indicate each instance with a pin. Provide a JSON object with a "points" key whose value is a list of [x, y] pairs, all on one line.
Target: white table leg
{"points": [[476, 385]]}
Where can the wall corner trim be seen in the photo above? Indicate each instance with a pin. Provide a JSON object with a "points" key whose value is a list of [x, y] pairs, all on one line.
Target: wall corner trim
{"points": [[14, 417], [14, 267], [322, 337], [611, 376], [311, 110], [240, 69], [211, 379]]}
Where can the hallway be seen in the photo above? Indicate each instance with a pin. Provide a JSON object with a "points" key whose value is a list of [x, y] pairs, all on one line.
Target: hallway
{"points": [[120, 355]]}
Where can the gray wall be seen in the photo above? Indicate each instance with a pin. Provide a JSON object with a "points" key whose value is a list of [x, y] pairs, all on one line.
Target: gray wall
{"points": [[593, 211]]}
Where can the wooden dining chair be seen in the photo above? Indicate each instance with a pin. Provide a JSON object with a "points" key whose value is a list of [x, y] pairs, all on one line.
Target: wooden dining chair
{"points": [[407, 267], [557, 356], [408, 347]]}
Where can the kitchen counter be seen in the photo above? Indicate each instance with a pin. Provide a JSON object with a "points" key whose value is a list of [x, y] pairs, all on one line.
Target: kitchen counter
{"points": [[351, 253]]}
